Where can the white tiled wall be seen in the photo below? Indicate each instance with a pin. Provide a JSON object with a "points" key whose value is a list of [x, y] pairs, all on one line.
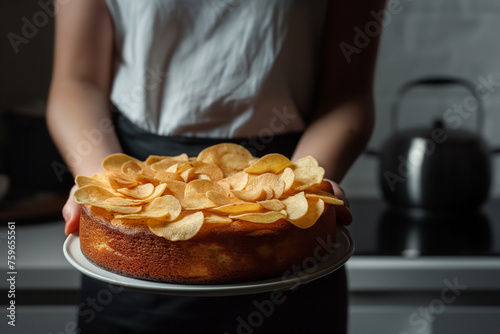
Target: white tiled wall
{"points": [[433, 38]]}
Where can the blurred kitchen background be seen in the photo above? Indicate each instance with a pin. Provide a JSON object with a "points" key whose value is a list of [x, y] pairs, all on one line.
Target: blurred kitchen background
{"points": [[421, 39], [29, 184], [445, 38]]}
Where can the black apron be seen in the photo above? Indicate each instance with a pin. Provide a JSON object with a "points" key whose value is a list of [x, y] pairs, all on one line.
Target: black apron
{"points": [[319, 306]]}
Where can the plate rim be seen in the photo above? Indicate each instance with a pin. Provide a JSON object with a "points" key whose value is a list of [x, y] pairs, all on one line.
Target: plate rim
{"points": [[82, 264]]}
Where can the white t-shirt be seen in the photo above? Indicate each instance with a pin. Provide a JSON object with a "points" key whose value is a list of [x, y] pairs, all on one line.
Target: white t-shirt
{"points": [[216, 68]]}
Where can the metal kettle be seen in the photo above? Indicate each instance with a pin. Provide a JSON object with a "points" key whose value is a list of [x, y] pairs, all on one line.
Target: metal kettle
{"points": [[436, 167]]}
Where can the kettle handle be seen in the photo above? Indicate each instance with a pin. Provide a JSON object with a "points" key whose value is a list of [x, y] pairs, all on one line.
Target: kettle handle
{"points": [[437, 81]]}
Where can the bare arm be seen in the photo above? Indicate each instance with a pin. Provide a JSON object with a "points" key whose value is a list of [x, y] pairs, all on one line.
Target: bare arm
{"points": [[78, 113], [344, 119]]}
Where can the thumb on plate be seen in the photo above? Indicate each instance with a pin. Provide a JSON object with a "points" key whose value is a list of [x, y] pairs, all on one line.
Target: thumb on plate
{"points": [[71, 213]]}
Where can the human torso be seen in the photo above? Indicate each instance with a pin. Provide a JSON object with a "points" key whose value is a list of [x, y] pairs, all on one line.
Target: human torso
{"points": [[218, 68]]}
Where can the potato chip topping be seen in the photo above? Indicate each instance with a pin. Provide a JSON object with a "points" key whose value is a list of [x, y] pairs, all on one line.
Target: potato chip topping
{"points": [[176, 195]]}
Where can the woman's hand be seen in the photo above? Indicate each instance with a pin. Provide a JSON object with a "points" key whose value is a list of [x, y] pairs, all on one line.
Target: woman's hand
{"points": [[71, 213], [342, 212]]}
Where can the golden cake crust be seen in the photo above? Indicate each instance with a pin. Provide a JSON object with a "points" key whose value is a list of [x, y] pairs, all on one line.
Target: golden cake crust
{"points": [[240, 251]]}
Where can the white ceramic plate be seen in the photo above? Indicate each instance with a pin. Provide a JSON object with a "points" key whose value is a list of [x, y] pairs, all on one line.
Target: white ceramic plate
{"points": [[312, 269]]}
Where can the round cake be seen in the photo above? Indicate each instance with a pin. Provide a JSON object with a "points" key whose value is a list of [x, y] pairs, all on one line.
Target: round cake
{"points": [[221, 217]]}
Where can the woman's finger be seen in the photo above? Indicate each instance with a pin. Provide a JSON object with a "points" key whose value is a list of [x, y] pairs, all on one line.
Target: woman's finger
{"points": [[71, 213], [343, 214]]}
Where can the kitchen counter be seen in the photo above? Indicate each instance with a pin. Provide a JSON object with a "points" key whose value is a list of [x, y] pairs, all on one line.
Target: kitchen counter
{"points": [[378, 266], [415, 275], [40, 262]]}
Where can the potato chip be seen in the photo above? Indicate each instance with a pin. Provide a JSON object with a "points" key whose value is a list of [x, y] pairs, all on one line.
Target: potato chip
{"points": [[307, 173], [216, 219], [287, 177], [82, 181], [114, 162], [181, 157], [261, 217], [272, 204], [153, 159], [296, 206], [167, 201], [195, 197], [96, 196], [139, 173], [102, 177], [253, 195], [141, 191], [188, 175], [269, 193], [117, 181], [92, 194], [326, 197], [131, 167], [211, 170], [124, 201], [118, 209], [221, 197], [173, 168], [147, 172], [315, 209], [175, 188], [120, 178], [166, 162], [159, 189], [164, 176], [267, 180], [140, 178], [183, 166], [161, 207], [270, 163], [184, 228], [323, 186], [252, 161], [202, 186], [236, 181], [231, 158], [238, 208], [274, 182], [121, 201]]}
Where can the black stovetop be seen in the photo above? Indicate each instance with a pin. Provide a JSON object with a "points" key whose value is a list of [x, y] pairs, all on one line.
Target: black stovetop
{"points": [[380, 229]]}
